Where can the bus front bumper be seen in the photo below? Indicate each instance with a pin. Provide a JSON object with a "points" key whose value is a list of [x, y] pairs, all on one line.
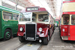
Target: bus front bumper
{"points": [[64, 37]]}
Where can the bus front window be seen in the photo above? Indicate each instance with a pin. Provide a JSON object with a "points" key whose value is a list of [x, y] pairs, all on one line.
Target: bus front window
{"points": [[73, 19], [43, 17], [25, 16], [66, 19]]}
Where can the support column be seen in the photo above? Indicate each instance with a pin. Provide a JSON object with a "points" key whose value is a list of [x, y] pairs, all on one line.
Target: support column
{"points": [[16, 4], [0, 2]]}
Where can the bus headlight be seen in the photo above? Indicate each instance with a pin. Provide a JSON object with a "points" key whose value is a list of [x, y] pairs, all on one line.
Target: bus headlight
{"points": [[21, 29], [40, 29]]}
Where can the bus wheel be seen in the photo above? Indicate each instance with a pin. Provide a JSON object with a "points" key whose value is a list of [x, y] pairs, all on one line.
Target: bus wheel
{"points": [[21, 39], [45, 40], [7, 34]]}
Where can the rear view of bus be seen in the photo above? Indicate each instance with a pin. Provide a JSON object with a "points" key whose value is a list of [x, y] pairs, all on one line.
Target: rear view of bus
{"points": [[67, 28]]}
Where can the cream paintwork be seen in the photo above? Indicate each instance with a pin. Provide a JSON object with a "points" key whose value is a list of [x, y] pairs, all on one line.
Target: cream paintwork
{"points": [[68, 7], [61, 20], [70, 20], [37, 13], [23, 22]]}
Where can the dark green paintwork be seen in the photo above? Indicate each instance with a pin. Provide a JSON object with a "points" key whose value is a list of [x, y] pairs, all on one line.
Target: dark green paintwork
{"points": [[57, 22], [10, 24]]}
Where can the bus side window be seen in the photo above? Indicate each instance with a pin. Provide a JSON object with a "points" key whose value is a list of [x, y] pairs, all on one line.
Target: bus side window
{"points": [[43, 17], [15, 17], [66, 19], [7, 16], [73, 19]]}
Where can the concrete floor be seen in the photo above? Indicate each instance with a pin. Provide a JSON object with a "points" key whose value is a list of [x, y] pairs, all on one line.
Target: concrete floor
{"points": [[54, 44], [10, 44], [15, 44]]}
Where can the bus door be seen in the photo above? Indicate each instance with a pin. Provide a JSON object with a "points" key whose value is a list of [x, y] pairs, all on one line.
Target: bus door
{"points": [[65, 26]]}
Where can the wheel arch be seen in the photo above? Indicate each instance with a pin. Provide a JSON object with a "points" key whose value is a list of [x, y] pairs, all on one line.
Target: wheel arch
{"points": [[46, 31]]}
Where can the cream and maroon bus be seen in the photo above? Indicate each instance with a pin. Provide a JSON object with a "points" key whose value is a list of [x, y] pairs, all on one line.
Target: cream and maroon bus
{"points": [[35, 24]]}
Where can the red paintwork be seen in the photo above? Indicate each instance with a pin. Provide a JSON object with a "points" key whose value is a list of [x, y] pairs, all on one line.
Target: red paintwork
{"points": [[68, 1], [72, 33], [20, 33], [69, 31], [40, 9], [45, 31], [65, 33], [21, 25], [68, 12], [44, 26]]}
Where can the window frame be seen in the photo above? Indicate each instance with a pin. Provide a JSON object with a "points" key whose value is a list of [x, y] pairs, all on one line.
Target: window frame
{"points": [[42, 21], [13, 16], [62, 20], [7, 12], [24, 21], [71, 19]]}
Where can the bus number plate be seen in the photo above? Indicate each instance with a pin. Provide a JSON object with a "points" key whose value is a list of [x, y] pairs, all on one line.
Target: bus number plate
{"points": [[30, 38]]}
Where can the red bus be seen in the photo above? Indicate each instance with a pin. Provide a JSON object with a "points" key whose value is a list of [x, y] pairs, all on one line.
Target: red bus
{"points": [[67, 27], [35, 23]]}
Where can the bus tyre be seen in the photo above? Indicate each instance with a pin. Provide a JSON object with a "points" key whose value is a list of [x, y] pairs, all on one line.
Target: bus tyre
{"points": [[21, 39], [45, 40], [7, 34]]}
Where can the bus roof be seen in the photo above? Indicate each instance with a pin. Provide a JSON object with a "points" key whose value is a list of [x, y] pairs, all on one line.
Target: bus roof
{"points": [[68, 1], [8, 9]]}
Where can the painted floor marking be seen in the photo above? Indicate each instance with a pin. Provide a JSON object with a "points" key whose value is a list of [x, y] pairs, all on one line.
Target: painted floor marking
{"points": [[30, 47]]}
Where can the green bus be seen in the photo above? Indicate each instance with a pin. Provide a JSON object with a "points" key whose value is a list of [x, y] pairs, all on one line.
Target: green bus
{"points": [[8, 22], [56, 23]]}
